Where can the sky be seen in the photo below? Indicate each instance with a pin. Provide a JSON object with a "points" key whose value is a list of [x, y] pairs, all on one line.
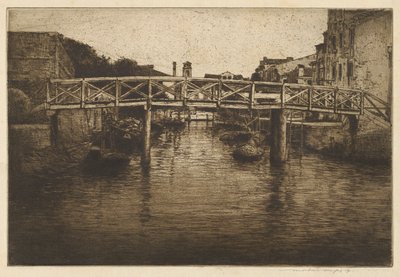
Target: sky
{"points": [[213, 40]]}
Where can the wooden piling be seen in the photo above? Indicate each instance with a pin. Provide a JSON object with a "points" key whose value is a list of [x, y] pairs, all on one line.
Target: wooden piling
{"points": [[146, 157], [117, 98], [278, 151]]}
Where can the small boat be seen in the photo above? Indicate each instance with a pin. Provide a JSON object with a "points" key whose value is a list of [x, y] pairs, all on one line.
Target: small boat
{"points": [[96, 160], [248, 152]]}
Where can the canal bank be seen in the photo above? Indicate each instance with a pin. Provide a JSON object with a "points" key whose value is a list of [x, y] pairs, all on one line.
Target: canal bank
{"points": [[67, 136], [337, 140]]}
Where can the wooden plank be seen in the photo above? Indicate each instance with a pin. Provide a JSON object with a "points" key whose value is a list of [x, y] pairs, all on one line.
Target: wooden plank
{"points": [[283, 96], [267, 106], [335, 104], [175, 103], [377, 109], [67, 92], [133, 90], [83, 94], [47, 92], [362, 103], [252, 95], [234, 91], [296, 107], [347, 112], [132, 104], [297, 94], [97, 93], [165, 88], [99, 89], [149, 92], [201, 105], [117, 92], [202, 89]]}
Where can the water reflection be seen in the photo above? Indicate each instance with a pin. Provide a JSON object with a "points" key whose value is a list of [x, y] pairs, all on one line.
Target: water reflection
{"points": [[145, 192], [194, 204]]}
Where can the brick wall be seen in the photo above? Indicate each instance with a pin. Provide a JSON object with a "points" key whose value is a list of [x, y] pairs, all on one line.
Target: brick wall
{"points": [[34, 57], [30, 136], [76, 126], [374, 146]]}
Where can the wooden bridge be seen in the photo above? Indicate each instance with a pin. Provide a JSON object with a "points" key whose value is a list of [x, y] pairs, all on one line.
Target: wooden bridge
{"points": [[204, 93], [200, 93]]}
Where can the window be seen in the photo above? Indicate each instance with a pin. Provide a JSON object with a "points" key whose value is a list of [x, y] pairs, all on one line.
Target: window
{"points": [[333, 40], [349, 72], [341, 39], [334, 72], [349, 69], [351, 37], [340, 72]]}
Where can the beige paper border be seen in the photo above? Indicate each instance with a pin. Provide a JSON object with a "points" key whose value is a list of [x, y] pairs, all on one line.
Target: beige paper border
{"points": [[209, 271]]}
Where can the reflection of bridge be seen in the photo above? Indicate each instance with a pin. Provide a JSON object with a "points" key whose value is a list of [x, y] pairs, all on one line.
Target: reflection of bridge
{"points": [[203, 93]]}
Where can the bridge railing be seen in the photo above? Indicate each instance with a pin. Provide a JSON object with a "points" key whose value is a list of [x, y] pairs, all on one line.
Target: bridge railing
{"points": [[199, 92], [323, 99]]}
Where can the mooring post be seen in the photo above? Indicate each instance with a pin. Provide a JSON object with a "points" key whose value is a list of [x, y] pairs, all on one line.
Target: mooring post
{"points": [[146, 157], [278, 151]]}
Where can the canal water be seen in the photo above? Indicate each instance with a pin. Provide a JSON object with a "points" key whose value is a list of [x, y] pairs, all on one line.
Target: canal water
{"points": [[197, 205]]}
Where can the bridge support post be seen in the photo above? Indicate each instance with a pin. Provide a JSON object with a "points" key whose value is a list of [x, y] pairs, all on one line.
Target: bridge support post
{"points": [[278, 150], [146, 156]]}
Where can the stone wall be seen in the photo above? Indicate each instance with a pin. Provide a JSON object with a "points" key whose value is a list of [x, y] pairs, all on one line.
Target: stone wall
{"points": [[30, 137], [76, 126], [32, 59], [374, 146], [330, 140], [372, 69], [34, 55]]}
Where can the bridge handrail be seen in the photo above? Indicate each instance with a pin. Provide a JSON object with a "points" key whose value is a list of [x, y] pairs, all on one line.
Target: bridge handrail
{"points": [[255, 94], [163, 78]]}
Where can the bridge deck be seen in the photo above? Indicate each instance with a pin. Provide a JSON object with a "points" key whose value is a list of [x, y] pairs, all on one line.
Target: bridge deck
{"points": [[201, 93]]}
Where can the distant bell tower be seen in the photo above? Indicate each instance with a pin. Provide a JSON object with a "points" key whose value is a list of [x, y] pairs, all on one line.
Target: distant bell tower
{"points": [[187, 69]]}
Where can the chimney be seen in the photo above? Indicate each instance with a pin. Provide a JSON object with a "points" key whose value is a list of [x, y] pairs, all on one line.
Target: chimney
{"points": [[187, 69], [174, 69]]}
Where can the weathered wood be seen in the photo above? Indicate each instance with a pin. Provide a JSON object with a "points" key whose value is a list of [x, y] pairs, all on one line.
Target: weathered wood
{"points": [[47, 92], [184, 91], [146, 156], [219, 93], [252, 95], [283, 95], [335, 104], [216, 91], [83, 94], [278, 150], [377, 109], [133, 90], [362, 103]]}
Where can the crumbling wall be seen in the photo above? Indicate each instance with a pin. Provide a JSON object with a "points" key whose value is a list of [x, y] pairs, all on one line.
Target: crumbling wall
{"points": [[32, 59], [372, 64], [76, 126]]}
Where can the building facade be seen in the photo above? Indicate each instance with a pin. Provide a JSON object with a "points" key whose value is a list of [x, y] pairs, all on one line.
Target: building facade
{"points": [[357, 51], [291, 70], [227, 75]]}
